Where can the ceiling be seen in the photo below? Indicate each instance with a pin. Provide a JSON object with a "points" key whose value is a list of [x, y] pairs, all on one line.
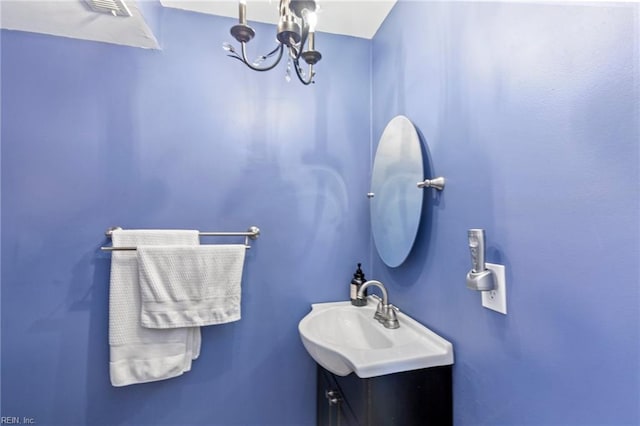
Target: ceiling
{"points": [[358, 18], [74, 19]]}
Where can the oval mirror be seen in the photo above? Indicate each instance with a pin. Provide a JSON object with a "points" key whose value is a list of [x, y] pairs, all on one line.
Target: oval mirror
{"points": [[396, 203]]}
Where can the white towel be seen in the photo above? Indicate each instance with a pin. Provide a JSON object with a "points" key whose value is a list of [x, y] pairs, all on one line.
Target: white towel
{"points": [[185, 286], [137, 354]]}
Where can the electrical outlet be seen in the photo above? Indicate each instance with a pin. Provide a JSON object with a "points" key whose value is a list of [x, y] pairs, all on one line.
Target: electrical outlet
{"points": [[496, 299]]}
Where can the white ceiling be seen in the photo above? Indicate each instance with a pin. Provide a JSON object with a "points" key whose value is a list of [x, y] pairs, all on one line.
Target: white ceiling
{"points": [[74, 19], [358, 18]]}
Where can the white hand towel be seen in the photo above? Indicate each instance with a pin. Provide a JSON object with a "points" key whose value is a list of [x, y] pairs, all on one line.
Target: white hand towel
{"points": [[137, 354], [184, 286]]}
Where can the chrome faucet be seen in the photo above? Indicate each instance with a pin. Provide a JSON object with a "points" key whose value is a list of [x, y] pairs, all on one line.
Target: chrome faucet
{"points": [[385, 313]]}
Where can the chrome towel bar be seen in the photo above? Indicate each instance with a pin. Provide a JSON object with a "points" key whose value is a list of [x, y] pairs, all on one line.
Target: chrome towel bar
{"points": [[252, 233]]}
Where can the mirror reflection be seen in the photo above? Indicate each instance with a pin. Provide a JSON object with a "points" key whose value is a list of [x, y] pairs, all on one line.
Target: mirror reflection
{"points": [[396, 204]]}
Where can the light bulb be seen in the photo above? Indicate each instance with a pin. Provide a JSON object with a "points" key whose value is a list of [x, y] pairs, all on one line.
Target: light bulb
{"points": [[242, 12], [312, 20]]}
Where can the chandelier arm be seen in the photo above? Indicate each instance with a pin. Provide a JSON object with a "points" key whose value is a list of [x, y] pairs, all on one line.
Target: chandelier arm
{"points": [[270, 54], [299, 73], [303, 39], [235, 56], [253, 67]]}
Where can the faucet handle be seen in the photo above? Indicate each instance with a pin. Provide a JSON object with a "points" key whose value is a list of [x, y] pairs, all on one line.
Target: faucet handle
{"points": [[380, 314], [376, 297], [391, 319], [394, 307]]}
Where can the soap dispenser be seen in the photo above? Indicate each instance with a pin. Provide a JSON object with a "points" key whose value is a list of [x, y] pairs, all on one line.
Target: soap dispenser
{"points": [[356, 283]]}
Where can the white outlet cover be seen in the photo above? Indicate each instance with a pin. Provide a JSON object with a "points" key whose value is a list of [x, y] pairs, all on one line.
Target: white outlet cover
{"points": [[496, 299]]}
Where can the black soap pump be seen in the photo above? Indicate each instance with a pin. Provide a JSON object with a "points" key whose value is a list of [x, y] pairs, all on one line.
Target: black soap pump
{"points": [[356, 283]]}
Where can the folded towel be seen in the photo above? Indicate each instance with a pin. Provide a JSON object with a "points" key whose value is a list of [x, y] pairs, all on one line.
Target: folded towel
{"points": [[186, 286], [137, 354]]}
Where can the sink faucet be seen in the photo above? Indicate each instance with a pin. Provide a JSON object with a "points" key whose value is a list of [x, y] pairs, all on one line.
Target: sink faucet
{"points": [[385, 313]]}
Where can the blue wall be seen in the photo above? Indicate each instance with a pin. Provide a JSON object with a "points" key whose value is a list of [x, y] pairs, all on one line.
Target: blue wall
{"points": [[95, 135], [531, 112]]}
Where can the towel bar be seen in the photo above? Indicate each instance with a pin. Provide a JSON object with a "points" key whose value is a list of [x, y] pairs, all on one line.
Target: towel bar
{"points": [[252, 233]]}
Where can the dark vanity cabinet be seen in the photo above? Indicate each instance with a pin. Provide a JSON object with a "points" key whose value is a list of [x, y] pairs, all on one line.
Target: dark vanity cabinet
{"points": [[419, 397]]}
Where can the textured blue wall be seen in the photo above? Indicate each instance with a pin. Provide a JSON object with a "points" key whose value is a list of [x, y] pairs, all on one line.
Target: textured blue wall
{"points": [[95, 135], [531, 112]]}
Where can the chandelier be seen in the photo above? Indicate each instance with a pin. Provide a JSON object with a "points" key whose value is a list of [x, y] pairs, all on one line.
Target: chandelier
{"points": [[296, 29]]}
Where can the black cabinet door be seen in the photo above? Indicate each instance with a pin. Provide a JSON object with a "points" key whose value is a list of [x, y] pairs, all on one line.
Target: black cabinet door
{"points": [[411, 398], [332, 407]]}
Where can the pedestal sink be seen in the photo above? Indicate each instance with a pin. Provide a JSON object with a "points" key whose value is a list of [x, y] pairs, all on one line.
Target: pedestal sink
{"points": [[344, 338]]}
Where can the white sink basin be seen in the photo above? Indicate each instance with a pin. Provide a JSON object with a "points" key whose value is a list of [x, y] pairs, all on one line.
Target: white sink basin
{"points": [[344, 338]]}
